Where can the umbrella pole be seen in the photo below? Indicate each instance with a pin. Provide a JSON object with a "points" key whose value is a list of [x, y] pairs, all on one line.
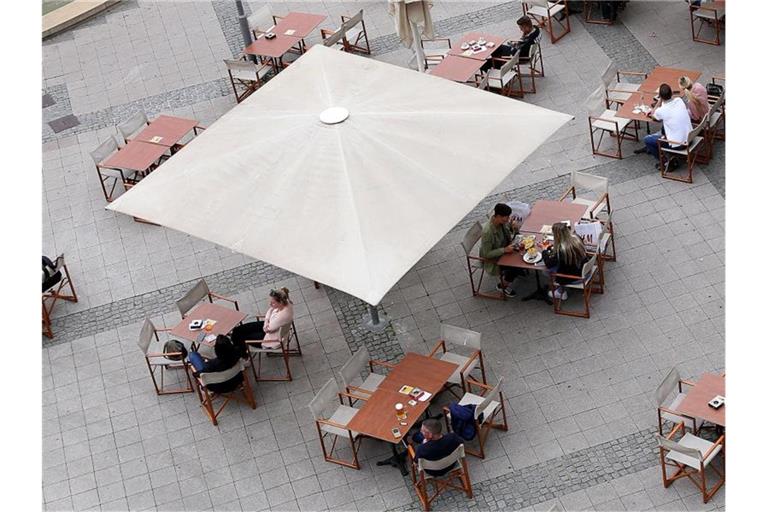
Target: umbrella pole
{"points": [[417, 49], [244, 28], [374, 322]]}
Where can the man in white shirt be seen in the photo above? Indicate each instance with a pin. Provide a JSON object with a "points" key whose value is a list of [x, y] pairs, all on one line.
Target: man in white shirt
{"points": [[676, 122]]}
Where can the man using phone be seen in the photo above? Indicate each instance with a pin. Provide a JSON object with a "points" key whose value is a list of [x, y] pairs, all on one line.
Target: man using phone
{"points": [[676, 124]]}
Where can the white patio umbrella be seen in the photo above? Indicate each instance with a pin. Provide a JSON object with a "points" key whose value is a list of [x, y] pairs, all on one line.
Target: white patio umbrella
{"points": [[412, 20], [353, 204]]}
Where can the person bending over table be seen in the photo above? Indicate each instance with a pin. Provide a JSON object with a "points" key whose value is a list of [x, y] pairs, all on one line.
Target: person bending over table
{"points": [[695, 97], [566, 256], [432, 444], [279, 314], [496, 241], [523, 45], [676, 125]]}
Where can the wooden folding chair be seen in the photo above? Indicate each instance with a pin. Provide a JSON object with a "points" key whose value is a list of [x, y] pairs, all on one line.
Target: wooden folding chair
{"points": [[535, 65], [350, 373], [716, 119], [588, 14], [207, 397], [157, 360], [669, 411], [469, 359], [502, 79], [435, 50], [256, 347], [336, 423], [618, 128], [544, 12], [198, 293], [246, 76], [691, 456], [126, 177], [593, 193], [690, 149], [57, 291], [590, 281], [457, 478], [476, 263], [488, 404], [707, 15]]}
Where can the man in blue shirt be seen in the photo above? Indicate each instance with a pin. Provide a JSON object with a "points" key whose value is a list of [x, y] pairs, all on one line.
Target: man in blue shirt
{"points": [[435, 445]]}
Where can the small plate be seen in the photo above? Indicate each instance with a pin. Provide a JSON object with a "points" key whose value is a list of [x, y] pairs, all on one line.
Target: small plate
{"points": [[472, 42], [465, 46], [531, 260], [489, 44], [481, 41]]}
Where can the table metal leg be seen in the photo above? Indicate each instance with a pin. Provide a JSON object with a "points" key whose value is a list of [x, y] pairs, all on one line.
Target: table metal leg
{"points": [[397, 460], [539, 293]]}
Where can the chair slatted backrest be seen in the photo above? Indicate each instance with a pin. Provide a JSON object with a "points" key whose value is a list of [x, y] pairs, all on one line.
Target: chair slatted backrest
{"points": [[132, 124], [596, 184], [351, 22], [697, 130], [105, 149], [241, 69], [716, 106], [354, 366], [460, 336], [223, 376], [588, 269], [446, 462], [192, 297], [145, 335], [507, 67], [471, 237], [608, 75], [493, 395], [674, 446], [261, 20], [334, 38], [327, 394], [667, 386]]}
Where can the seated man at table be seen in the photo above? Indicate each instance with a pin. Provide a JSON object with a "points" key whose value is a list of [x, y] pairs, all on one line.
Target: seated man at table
{"points": [[523, 45], [433, 445], [676, 125], [496, 241]]}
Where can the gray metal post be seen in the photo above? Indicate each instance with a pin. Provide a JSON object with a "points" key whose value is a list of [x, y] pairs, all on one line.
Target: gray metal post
{"points": [[374, 322], [245, 30]]}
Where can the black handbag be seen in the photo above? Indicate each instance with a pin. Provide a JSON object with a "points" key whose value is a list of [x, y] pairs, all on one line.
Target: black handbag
{"points": [[714, 90]]}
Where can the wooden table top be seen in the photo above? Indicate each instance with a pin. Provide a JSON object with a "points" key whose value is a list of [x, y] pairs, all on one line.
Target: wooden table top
{"points": [[515, 259], [458, 69], [275, 47], [670, 76], [547, 212], [135, 156], [171, 129], [226, 319], [474, 36], [637, 98], [695, 403], [376, 418], [301, 23]]}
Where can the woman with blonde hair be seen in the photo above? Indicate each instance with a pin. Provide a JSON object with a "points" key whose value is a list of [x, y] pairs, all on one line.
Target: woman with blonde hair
{"points": [[566, 256], [279, 314], [695, 97]]}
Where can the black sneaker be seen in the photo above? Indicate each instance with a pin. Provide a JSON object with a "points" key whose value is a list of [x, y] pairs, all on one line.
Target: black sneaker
{"points": [[640, 151], [509, 292]]}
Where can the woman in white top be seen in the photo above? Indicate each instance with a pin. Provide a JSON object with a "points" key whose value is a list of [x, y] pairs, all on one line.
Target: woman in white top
{"points": [[279, 314]]}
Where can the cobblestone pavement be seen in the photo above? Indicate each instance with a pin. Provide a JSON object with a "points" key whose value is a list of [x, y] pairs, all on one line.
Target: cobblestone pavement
{"points": [[579, 393]]}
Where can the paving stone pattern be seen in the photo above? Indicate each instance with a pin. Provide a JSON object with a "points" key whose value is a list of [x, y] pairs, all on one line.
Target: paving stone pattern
{"points": [[621, 46], [349, 311], [548, 480]]}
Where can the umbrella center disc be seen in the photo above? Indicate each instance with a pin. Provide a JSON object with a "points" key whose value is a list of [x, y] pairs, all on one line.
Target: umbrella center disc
{"points": [[334, 115]]}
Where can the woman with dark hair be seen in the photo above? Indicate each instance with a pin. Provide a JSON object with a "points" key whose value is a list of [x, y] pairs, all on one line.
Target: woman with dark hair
{"points": [[566, 256], [279, 314], [227, 356]]}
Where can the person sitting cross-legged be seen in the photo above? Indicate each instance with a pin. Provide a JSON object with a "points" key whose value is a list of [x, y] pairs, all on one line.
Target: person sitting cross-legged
{"points": [[496, 241], [676, 125]]}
